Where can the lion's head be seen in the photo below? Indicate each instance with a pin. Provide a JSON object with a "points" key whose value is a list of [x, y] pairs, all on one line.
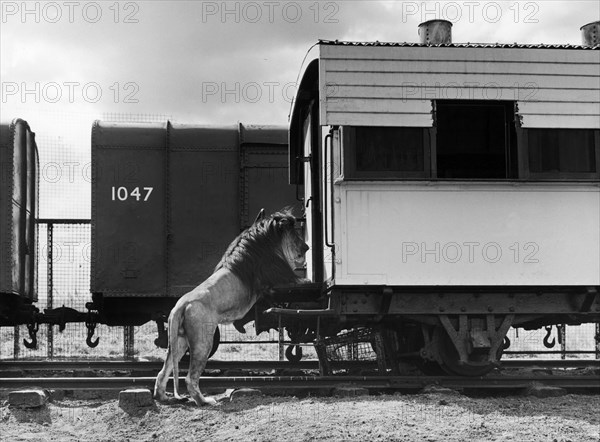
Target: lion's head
{"points": [[267, 252], [292, 245]]}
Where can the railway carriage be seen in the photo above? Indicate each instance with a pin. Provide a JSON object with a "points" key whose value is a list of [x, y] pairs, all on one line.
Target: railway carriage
{"points": [[452, 191], [18, 208]]}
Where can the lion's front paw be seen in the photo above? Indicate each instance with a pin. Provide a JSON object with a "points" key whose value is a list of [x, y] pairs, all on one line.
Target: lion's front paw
{"points": [[211, 401]]}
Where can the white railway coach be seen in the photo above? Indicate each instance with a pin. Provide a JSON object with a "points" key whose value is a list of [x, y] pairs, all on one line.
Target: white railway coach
{"points": [[451, 189]]}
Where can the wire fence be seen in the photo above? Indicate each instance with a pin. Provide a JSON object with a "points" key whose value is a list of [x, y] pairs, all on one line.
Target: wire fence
{"points": [[64, 250], [570, 341]]}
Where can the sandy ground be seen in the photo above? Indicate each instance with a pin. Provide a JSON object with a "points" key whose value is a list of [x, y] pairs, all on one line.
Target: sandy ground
{"points": [[421, 417]]}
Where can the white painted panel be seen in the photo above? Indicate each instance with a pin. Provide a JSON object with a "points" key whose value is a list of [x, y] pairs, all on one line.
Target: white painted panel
{"points": [[389, 105], [380, 105], [377, 119], [528, 93], [529, 108], [561, 121], [485, 79], [467, 54], [382, 86], [411, 234], [499, 67], [307, 149]]}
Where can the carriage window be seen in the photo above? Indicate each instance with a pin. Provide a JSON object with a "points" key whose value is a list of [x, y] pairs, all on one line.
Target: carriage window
{"points": [[389, 149], [387, 152], [475, 140], [471, 139], [562, 152]]}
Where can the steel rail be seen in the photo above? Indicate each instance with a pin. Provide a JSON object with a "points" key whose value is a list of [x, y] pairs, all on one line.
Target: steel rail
{"points": [[115, 365], [17, 365], [590, 383], [550, 363]]}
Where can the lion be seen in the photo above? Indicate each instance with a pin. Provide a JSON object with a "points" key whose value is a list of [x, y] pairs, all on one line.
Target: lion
{"points": [[262, 256]]}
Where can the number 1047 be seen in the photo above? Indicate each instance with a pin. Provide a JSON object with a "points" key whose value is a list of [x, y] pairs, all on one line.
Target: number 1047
{"points": [[137, 193]]}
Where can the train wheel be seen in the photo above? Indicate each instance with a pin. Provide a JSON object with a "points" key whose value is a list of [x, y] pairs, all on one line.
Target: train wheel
{"points": [[408, 343], [477, 365], [216, 342], [426, 365]]}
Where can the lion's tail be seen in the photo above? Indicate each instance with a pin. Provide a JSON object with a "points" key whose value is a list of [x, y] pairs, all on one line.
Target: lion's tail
{"points": [[175, 323]]}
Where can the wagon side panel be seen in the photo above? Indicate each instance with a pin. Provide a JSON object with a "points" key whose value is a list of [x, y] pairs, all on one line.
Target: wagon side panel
{"points": [[128, 210], [203, 202]]}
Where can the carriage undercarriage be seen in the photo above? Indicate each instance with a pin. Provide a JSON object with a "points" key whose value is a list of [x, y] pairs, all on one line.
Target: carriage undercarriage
{"points": [[466, 337]]}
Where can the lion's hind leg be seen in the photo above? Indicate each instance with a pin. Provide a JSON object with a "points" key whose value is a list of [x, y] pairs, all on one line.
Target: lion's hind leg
{"points": [[200, 347], [162, 379], [182, 346], [160, 386]]}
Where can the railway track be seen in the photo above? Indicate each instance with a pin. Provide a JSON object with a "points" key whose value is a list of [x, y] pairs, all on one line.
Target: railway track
{"points": [[590, 384], [20, 366], [124, 374]]}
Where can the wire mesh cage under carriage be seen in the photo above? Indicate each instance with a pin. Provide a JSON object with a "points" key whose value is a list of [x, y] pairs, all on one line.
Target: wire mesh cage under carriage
{"points": [[359, 344]]}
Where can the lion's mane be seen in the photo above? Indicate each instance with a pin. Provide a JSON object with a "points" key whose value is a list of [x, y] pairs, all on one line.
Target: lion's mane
{"points": [[255, 256]]}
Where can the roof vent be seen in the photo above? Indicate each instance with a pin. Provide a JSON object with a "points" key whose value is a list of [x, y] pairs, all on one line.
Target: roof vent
{"points": [[590, 34], [435, 32]]}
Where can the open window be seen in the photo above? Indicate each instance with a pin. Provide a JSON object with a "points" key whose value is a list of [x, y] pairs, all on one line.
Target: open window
{"points": [[475, 140]]}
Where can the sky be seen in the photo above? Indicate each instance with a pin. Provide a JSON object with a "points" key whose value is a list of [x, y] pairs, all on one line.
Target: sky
{"points": [[65, 63]]}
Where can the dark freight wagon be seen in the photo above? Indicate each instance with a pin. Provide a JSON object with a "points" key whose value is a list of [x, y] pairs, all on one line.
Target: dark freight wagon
{"points": [[18, 189], [167, 199]]}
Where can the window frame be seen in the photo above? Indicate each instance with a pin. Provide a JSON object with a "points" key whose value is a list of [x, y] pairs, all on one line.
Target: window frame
{"points": [[349, 171], [525, 174]]}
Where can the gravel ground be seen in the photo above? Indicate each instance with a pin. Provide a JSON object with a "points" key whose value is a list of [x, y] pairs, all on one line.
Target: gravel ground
{"points": [[421, 417]]}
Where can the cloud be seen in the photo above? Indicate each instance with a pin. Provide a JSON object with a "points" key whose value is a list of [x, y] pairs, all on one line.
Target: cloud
{"points": [[171, 52]]}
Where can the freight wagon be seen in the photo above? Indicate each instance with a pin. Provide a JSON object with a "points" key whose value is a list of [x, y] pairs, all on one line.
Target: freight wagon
{"points": [[167, 199], [18, 208]]}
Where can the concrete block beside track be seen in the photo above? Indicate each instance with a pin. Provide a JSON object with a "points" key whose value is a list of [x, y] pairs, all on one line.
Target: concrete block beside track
{"points": [[135, 398], [437, 389], [542, 391], [245, 392], [31, 398], [349, 391]]}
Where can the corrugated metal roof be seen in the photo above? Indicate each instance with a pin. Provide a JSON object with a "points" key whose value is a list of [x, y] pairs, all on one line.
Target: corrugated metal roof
{"points": [[458, 45]]}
